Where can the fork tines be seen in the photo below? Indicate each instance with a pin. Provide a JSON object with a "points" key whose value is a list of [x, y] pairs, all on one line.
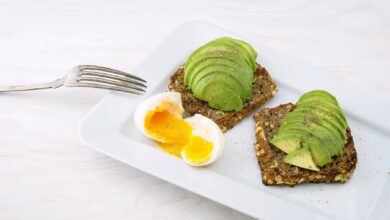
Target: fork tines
{"points": [[107, 78]]}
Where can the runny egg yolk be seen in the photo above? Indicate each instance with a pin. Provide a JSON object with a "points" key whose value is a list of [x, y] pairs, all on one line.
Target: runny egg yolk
{"points": [[198, 150], [165, 123]]}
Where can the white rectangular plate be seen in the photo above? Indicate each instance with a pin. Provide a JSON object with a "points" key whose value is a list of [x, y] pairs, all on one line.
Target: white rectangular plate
{"points": [[234, 180]]}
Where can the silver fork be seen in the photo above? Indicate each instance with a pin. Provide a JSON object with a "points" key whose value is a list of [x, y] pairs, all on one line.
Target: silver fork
{"points": [[90, 76]]}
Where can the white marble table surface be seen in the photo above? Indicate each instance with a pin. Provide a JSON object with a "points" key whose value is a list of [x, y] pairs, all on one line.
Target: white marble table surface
{"points": [[47, 173]]}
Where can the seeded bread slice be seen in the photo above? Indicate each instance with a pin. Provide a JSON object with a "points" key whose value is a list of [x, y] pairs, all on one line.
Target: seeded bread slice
{"points": [[275, 172], [264, 89]]}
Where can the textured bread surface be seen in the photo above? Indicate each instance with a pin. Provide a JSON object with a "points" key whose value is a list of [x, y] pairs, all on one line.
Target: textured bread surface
{"points": [[264, 88], [275, 172]]}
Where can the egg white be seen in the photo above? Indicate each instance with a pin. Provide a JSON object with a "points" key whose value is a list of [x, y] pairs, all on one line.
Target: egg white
{"points": [[209, 130], [150, 104], [201, 125]]}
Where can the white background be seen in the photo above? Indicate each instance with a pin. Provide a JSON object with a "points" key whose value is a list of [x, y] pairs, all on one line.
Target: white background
{"points": [[45, 171]]}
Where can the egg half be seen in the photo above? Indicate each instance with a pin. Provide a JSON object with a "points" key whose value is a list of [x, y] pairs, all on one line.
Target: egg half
{"points": [[197, 139]]}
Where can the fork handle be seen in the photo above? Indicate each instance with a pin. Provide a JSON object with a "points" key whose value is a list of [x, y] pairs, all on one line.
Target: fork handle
{"points": [[51, 85]]}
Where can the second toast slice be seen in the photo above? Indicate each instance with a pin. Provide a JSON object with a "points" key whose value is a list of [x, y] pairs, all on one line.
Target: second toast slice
{"points": [[276, 172]]}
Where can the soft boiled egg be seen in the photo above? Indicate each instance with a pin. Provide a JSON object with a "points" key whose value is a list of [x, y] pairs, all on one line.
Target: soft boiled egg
{"points": [[206, 143], [197, 139]]}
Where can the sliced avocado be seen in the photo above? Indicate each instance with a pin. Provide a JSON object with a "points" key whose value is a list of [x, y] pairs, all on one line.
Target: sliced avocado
{"points": [[320, 99], [329, 118], [211, 46], [222, 45], [193, 55], [224, 66], [248, 47], [287, 142], [194, 67], [223, 63], [210, 60], [318, 93], [317, 124], [318, 103], [319, 148], [320, 155], [220, 76], [329, 138], [220, 96], [336, 143], [301, 158], [217, 74], [327, 107], [242, 50], [331, 124], [292, 130], [205, 48], [306, 117], [327, 130], [212, 92]]}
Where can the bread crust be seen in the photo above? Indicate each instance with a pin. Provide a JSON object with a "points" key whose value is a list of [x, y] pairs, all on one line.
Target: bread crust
{"points": [[270, 159], [264, 88]]}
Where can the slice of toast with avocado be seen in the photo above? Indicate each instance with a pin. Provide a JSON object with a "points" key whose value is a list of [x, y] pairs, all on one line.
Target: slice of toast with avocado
{"points": [[264, 89], [306, 142], [222, 81]]}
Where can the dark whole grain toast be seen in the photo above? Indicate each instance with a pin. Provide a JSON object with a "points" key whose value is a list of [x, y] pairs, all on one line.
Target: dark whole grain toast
{"points": [[264, 89], [275, 172]]}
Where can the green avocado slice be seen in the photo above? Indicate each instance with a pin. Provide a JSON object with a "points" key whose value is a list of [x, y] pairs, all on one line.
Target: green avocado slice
{"points": [[242, 51], [220, 96], [320, 117], [245, 45], [329, 137], [318, 94], [320, 99], [226, 66], [206, 61], [216, 73], [321, 155], [210, 46], [192, 56], [223, 79], [221, 45], [327, 107], [301, 158], [327, 118], [248, 47], [287, 142], [194, 67]]}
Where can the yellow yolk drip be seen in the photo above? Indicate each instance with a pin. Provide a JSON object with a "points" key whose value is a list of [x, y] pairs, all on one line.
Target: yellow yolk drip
{"points": [[198, 150], [166, 124], [173, 148]]}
